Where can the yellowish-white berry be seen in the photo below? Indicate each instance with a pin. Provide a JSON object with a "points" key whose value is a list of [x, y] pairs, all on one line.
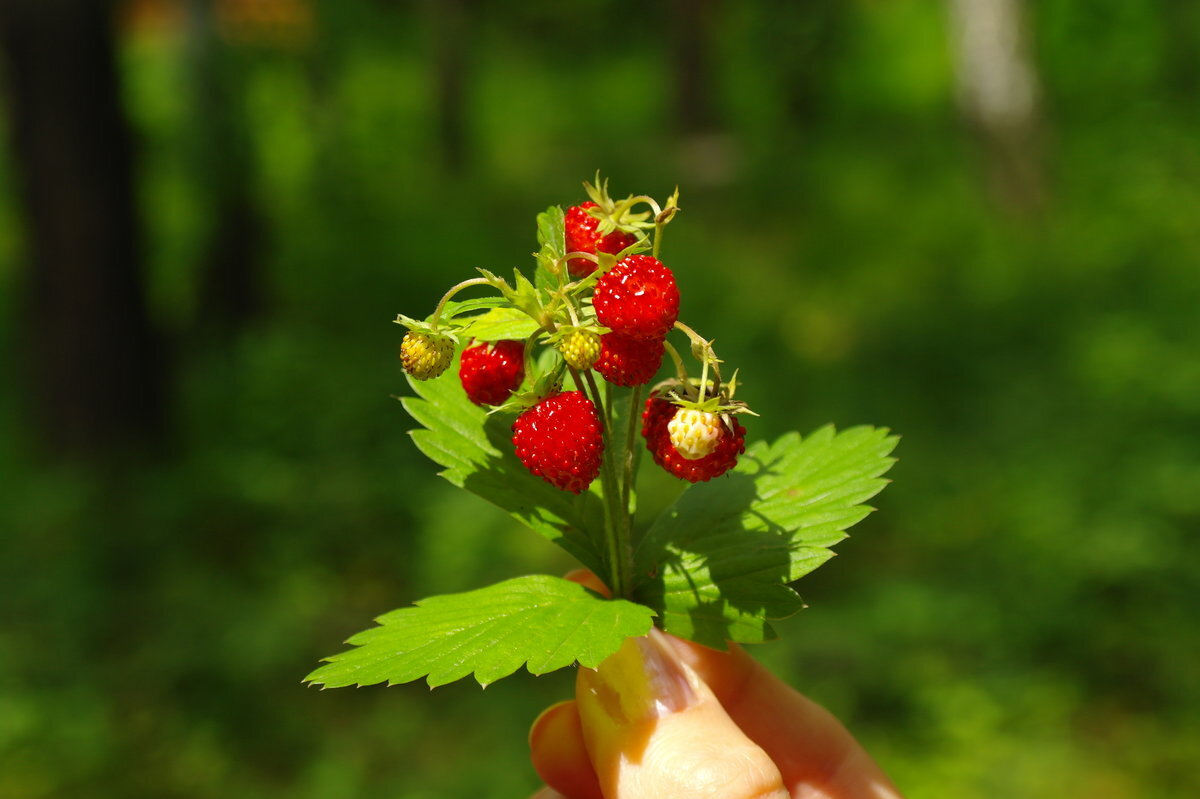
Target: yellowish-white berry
{"points": [[695, 434]]}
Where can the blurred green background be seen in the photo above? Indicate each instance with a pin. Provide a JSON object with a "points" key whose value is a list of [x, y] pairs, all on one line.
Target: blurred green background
{"points": [[891, 215]]}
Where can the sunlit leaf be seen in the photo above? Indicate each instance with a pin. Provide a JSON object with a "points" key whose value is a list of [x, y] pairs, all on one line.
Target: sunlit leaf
{"points": [[544, 623]]}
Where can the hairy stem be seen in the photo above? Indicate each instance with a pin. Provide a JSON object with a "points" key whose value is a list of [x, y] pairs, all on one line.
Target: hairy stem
{"points": [[680, 369], [437, 312], [616, 577], [616, 518], [635, 401]]}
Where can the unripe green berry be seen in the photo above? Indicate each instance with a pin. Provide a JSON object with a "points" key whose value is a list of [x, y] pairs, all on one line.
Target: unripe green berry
{"points": [[425, 355], [580, 348]]}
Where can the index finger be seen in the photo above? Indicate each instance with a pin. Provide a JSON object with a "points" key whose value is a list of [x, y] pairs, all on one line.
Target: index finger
{"points": [[815, 754]]}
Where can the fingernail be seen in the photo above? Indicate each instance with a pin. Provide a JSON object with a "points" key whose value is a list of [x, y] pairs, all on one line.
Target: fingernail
{"points": [[642, 680]]}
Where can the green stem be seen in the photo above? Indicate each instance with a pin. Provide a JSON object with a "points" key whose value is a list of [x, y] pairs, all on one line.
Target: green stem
{"points": [[615, 577], [635, 401], [437, 312], [608, 402], [680, 369], [707, 353], [615, 518]]}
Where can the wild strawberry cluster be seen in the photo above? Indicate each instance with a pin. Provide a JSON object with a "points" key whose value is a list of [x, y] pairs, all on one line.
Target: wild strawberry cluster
{"points": [[605, 306]]}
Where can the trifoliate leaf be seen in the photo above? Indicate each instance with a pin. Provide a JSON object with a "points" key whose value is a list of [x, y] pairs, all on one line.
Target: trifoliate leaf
{"points": [[717, 563], [477, 452], [542, 622], [499, 324]]}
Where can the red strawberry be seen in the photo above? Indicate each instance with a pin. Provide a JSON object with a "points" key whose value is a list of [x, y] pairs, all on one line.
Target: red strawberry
{"points": [[625, 361], [655, 421], [489, 373], [560, 440], [583, 236], [638, 297]]}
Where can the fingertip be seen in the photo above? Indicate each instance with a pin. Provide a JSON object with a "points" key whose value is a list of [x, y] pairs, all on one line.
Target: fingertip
{"points": [[588, 579], [815, 753], [653, 729], [548, 793], [559, 755], [727, 672]]}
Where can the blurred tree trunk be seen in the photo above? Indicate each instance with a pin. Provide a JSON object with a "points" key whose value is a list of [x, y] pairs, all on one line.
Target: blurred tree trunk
{"points": [[450, 25], [998, 95], [1182, 20], [805, 44], [97, 375], [692, 41], [231, 283], [706, 153]]}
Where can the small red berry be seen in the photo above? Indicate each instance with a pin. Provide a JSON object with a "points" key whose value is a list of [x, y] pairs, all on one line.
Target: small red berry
{"points": [[638, 297], [625, 361], [656, 420], [490, 372], [582, 236], [560, 440]]}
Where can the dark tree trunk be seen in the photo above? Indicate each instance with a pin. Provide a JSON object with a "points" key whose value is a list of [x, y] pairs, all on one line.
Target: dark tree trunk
{"points": [[1182, 40], [691, 22], [232, 291], [803, 48], [450, 18], [705, 151], [95, 364]]}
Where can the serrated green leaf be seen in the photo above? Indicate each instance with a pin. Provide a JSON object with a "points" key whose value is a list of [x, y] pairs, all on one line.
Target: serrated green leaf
{"points": [[477, 453], [717, 563], [542, 622], [552, 245], [499, 324], [551, 232]]}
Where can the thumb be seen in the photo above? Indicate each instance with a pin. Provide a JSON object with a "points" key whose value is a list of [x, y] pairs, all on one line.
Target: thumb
{"points": [[654, 730]]}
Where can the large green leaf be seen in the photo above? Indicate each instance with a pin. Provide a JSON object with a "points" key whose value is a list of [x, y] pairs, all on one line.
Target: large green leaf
{"points": [[717, 563], [477, 453], [544, 622]]}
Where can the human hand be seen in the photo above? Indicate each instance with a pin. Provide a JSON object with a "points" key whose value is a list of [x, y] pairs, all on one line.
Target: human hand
{"points": [[664, 718]]}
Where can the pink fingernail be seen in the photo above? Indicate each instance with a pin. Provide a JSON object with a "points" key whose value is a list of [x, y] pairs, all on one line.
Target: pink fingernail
{"points": [[643, 680]]}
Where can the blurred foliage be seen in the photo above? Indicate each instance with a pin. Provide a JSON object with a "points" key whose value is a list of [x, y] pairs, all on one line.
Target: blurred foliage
{"points": [[1018, 620]]}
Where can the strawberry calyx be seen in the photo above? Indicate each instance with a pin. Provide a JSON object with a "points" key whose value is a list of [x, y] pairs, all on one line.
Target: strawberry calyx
{"points": [[717, 398], [616, 215], [543, 386]]}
